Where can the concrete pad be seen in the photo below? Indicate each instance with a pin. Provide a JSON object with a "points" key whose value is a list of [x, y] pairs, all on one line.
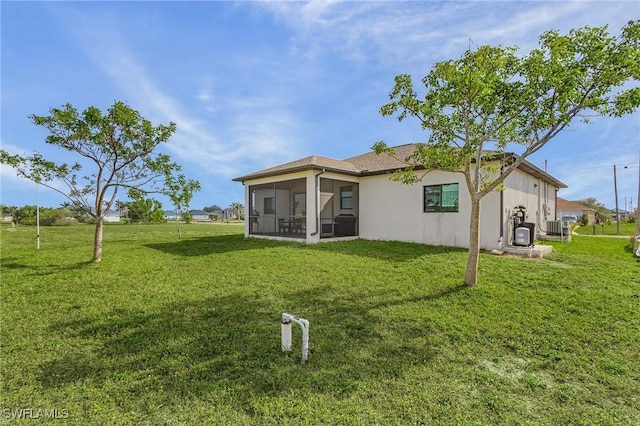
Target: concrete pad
{"points": [[538, 251]]}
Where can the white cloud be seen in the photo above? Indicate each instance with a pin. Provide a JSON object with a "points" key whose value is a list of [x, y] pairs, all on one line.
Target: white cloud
{"points": [[419, 32], [257, 124]]}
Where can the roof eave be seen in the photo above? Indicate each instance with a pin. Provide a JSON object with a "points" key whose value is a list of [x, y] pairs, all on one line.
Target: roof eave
{"points": [[292, 170]]}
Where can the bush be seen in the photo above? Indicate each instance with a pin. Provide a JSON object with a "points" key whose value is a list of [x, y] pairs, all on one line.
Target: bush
{"points": [[584, 220]]}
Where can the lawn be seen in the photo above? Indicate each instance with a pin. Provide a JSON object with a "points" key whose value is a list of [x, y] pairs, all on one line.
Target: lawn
{"points": [[607, 229], [187, 331]]}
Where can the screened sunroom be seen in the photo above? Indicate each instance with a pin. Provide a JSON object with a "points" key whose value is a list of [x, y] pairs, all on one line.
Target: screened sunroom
{"points": [[309, 207]]}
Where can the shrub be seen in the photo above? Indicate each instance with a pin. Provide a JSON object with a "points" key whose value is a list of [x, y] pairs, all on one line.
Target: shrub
{"points": [[584, 220]]}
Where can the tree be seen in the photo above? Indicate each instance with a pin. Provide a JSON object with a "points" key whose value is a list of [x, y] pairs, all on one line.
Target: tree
{"points": [[237, 208], [117, 150], [144, 210], [122, 208], [25, 215], [600, 208], [213, 208], [491, 99], [180, 191]]}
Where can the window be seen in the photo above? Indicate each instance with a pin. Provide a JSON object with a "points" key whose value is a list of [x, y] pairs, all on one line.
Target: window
{"points": [[441, 198], [346, 197], [270, 205]]}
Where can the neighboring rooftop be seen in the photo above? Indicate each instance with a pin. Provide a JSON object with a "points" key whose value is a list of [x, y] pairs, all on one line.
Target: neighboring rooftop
{"points": [[566, 205]]}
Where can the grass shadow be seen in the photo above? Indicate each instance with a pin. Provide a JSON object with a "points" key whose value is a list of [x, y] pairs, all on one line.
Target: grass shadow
{"points": [[204, 246], [393, 251], [232, 344], [48, 269]]}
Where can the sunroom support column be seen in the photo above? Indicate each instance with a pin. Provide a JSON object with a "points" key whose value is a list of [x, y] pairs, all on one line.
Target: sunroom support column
{"points": [[313, 203], [247, 209]]}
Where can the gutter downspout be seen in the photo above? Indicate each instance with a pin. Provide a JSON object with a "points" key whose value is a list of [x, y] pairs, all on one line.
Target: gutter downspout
{"points": [[317, 196], [501, 239]]}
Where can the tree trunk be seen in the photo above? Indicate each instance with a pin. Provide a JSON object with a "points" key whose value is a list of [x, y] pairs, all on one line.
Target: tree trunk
{"points": [[178, 227], [97, 242], [471, 274]]}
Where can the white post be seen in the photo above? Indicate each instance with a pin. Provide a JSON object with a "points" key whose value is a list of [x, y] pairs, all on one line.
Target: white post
{"points": [[287, 319], [37, 217], [37, 156], [285, 331]]}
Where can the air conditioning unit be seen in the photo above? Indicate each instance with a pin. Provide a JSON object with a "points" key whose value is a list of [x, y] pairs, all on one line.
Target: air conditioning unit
{"points": [[554, 227], [522, 236]]}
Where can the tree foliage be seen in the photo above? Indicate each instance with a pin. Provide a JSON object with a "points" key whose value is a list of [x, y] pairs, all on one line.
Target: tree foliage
{"points": [[144, 210], [180, 191], [602, 210], [236, 208], [491, 98], [117, 151]]}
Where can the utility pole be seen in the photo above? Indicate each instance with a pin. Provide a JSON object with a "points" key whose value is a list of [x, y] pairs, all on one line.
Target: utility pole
{"points": [[615, 190]]}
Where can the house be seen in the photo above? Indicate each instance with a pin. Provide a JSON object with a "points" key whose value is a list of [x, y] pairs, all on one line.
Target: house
{"points": [[216, 214], [620, 213], [199, 215], [230, 213], [321, 199], [573, 211], [6, 217], [171, 215], [111, 217]]}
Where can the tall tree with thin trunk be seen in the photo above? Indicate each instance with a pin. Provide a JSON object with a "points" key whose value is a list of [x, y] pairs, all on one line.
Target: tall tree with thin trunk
{"points": [[492, 99], [117, 151], [180, 190]]}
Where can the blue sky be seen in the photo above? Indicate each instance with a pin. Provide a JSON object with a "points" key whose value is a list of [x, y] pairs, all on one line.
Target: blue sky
{"points": [[254, 84]]}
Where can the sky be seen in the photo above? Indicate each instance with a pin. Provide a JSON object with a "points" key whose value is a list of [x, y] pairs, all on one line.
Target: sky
{"points": [[251, 85]]}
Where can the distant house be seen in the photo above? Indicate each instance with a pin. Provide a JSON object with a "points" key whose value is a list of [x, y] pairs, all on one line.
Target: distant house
{"points": [[318, 198], [171, 215], [573, 211], [199, 215], [112, 216], [622, 214], [6, 217], [217, 214], [229, 213]]}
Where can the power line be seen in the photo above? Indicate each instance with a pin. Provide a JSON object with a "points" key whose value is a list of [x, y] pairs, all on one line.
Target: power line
{"points": [[608, 166]]}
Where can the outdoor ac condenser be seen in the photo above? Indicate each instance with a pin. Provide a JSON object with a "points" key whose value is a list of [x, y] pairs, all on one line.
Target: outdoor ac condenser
{"points": [[523, 237]]}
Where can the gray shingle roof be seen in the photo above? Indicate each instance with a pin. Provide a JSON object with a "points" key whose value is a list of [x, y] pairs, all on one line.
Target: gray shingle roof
{"points": [[370, 163], [316, 162]]}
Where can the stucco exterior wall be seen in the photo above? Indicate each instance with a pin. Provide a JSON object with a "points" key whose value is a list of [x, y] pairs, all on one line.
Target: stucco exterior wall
{"points": [[388, 210], [537, 196], [393, 211]]}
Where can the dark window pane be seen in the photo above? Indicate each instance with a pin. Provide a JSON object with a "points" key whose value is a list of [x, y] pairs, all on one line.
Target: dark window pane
{"points": [[346, 197], [269, 205], [441, 198]]}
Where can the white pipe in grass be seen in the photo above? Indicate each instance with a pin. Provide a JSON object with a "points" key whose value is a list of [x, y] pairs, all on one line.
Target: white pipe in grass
{"points": [[286, 335], [285, 328]]}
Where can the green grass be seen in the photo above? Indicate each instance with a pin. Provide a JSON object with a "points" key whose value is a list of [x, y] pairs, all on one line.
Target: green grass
{"points": [[608, 229], [169, 331]]}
